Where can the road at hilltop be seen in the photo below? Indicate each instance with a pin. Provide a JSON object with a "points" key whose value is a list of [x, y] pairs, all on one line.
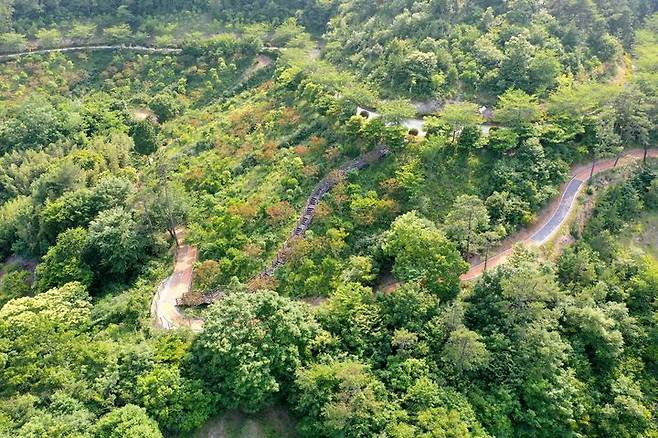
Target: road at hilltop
{"points": [[11, 56]]}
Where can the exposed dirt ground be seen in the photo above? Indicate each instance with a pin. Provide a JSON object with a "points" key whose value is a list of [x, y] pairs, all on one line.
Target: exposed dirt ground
{"points": [[274, 422]]}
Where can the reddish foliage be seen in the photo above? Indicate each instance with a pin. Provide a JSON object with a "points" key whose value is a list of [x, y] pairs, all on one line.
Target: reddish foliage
{"points": [[322, 210], [206, 274], [332, 154], [262, 282], [289, 117], [244, 120], [301, 150], [268, 152], [339, 194], [310, 170], [280, 212]]}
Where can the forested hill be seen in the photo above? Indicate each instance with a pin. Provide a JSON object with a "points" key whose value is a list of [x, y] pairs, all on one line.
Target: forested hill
{"points": [[421, 49], [230, 137]]}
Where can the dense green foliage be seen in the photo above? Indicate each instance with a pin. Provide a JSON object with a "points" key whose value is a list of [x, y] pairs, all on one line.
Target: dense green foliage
{"points": [[442, 48], [109, 158], [249, 345]]}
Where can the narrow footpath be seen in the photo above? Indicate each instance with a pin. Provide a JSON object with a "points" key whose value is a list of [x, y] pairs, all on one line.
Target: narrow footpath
{"points": [[166, 313], [172, 290]]}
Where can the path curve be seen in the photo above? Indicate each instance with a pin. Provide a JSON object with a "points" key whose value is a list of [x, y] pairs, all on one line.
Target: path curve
{"points": [[164, 308], [543, 231], [172, 291], [10, 56]]}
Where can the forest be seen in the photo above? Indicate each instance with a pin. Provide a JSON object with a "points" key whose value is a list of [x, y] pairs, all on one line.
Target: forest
{"points": [[328, 218]]}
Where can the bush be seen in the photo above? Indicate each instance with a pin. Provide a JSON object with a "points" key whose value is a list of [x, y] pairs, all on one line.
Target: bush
{"points": [[129, 421]]}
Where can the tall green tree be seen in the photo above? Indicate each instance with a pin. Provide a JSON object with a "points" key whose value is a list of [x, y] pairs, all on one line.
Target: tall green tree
{"points": [[129, 421], [250, 346], [421, 252], [459, 116], [177, 403], [466, 224], [65, 261], [339, 399], [115, 243], [633, 124], [145, 136], [517, 110]]}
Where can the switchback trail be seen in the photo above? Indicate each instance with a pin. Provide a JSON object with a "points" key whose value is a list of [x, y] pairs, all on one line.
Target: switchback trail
{"points": [[175, 290], [556, 213]]}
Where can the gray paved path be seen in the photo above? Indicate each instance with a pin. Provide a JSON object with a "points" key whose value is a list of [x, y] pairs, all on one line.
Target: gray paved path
{"points": [[11, 56]]}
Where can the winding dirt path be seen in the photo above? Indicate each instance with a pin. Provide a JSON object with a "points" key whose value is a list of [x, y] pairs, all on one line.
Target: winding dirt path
{"points": [[164, 309], [174, 291], [554, 216]]}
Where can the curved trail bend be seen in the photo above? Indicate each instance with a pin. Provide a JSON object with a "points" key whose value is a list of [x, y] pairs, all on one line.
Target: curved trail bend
{"points": [[558, 212], [174, 288], [164, 309], [172, 291]]}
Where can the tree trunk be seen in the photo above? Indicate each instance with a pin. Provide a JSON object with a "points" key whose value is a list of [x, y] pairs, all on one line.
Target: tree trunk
{"points": [[644, 160], [617, 159], [468, 235], [591, 172], [174, 235]]}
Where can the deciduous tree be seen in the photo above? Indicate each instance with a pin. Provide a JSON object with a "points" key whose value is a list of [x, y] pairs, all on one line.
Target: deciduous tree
{"points": [[250, 346], [421, 252]]}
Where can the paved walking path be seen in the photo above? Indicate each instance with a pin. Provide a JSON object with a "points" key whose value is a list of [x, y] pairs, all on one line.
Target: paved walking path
{"points": [[165, 307], [174, 288], [543, 231], [10, 56]]}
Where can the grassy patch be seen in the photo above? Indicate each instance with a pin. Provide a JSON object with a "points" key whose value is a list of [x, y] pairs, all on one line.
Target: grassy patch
{"points": [[641, 236]]}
